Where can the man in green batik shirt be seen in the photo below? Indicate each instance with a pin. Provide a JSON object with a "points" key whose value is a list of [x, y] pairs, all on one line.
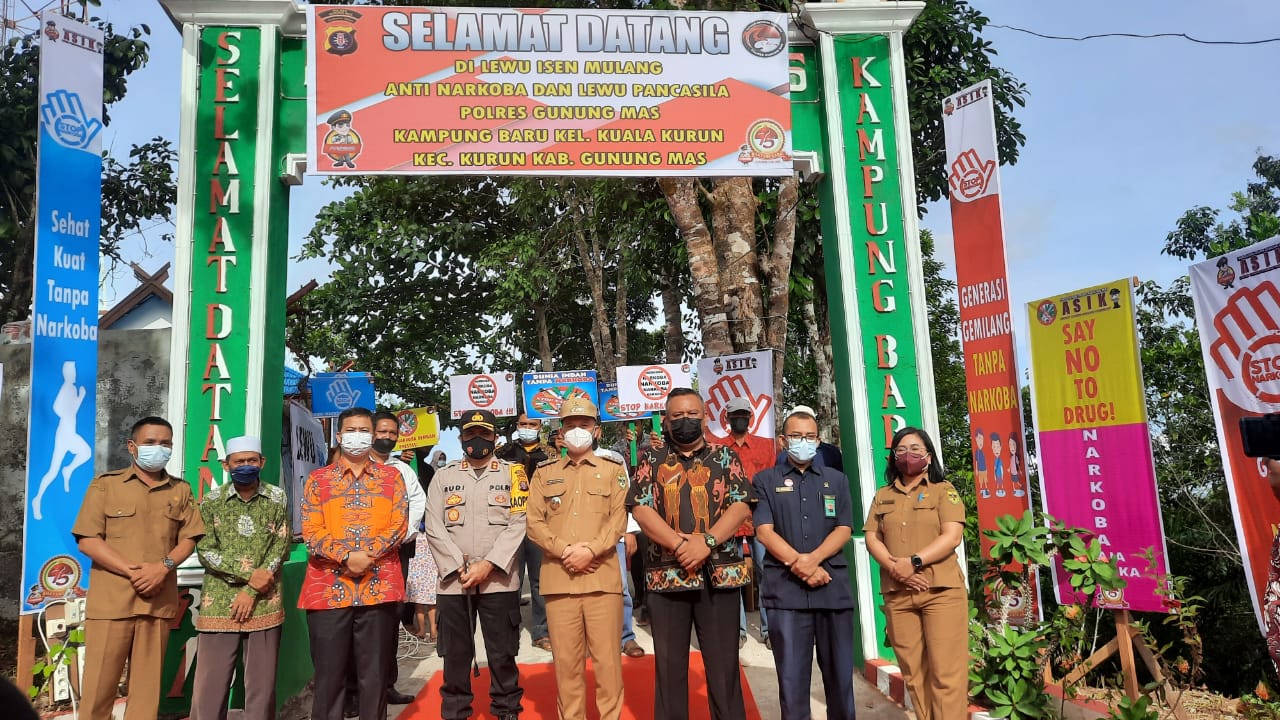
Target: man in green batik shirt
{"points": [[245, 545]]}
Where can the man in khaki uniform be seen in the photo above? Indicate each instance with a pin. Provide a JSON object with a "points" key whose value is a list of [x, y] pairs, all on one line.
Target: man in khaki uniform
{"points": [[475, 526], [136, 525], [576, 515]]}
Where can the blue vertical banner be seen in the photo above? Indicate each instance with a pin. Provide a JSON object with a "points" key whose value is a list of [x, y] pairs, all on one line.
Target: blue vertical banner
{"points": [[64, 338]]}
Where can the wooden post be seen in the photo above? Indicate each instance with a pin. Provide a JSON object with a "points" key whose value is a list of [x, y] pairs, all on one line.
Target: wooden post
{"points": [[26, 652], [1127, 661]]}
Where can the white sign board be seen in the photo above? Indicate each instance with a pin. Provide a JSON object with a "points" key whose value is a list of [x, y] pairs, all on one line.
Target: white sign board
{"points": [[308, 451], [644, 388], [495, 392], [748, 375]]}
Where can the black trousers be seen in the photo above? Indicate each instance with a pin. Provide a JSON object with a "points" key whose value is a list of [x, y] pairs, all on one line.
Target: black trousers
{"points": [[796, 634], [499, 617], [637, 572], [346, 636], [713, 614], [403, 609]]}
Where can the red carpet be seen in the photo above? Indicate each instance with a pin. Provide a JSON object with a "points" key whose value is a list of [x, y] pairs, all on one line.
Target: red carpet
{"points": [[539, 683]]}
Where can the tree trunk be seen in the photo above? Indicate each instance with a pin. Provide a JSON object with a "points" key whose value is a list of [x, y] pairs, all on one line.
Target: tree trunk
{"points": [[589, 255], [620, 313], [674, 333], [775, 269], [816, 322], [708, 301], [544, 337], [733, 224]]}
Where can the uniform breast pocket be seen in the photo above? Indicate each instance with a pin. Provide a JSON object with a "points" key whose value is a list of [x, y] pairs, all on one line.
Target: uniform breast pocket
{"points": [[598, 500], [554, 501], [121, 518], [499, 507], [455, 510]]}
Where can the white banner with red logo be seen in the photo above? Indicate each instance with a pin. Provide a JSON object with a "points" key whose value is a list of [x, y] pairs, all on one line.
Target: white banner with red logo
{"points": [[1237, 301], [644, 388], [495, 392], [747, 375], [986, 329]]}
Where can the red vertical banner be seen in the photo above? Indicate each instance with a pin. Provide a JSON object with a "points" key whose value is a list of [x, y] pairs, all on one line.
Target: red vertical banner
{"points": [[986, 328]]}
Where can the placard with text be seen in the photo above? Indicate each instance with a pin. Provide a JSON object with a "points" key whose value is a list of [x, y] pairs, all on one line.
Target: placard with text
{"points": [[644, 388], [1092, 437], [545, 392], [495, 392], [434, 91], [745, 375]]}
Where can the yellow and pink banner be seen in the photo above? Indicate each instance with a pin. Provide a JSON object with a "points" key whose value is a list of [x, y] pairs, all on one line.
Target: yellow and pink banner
{"points": [[1092, 437], [423, 90]]}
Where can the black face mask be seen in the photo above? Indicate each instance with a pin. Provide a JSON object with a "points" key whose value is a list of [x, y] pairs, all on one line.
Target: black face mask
{"points": [[686, 430], [384, 446], [478, 448], [738, 425]]}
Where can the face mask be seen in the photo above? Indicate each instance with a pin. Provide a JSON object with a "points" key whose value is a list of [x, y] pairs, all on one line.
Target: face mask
{"points": [[153, 458], [356, 442], [527, 435], [441, 462], [578, 439], [911, 465], [802, 451], [478, 448], [739, 425], [686, 430], [384, 446], [245, 474]]}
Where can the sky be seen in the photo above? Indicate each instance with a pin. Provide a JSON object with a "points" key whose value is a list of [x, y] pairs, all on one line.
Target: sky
{"points": [[1123, 135]]}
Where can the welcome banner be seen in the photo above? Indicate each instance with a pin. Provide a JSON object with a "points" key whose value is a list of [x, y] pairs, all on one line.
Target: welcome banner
{"points": [[64, 338], [986, 331], [1237, 302], [1096, 468], [421, 90]]}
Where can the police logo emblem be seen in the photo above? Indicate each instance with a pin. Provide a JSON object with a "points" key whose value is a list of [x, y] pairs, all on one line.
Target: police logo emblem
{"points": [[340, 30], [454, 515], [454, 499], [500, 499], [524, 486]]}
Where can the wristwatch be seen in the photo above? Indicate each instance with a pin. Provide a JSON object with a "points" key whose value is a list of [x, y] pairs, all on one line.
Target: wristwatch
{"points": [[711, 540], [917, 563], [169, 563]]}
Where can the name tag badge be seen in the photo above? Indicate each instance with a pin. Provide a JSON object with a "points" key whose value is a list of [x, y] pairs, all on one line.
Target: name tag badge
{"points": [[783, 488], [555, 481], [829, 505]]}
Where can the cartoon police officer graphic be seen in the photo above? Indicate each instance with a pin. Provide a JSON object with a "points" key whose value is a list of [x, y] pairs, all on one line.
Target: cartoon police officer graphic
{"points": [[342, 143]]}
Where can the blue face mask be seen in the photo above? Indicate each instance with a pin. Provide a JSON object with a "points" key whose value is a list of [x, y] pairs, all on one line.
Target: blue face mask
{"points": [[802, 451], [153, 458], [245, 474]]}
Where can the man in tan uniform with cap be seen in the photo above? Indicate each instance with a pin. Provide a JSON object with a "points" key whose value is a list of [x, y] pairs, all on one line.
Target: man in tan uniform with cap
{"points": [[576, 515], [475, 526]]}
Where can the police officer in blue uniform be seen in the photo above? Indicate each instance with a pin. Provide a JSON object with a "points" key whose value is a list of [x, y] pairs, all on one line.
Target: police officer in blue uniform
{"points": [[804, 518]]}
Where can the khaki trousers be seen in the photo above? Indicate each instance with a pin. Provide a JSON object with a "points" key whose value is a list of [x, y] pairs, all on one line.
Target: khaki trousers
{"points": [[930, 634], [107, 644], [579, 624], [216, 664]]}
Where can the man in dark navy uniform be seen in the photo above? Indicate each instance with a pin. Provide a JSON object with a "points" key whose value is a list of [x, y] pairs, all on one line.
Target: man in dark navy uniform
{"points": [[804, 518]]}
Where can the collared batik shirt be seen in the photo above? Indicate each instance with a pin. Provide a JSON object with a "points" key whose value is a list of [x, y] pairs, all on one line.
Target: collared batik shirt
{"points": [[241, 536]]}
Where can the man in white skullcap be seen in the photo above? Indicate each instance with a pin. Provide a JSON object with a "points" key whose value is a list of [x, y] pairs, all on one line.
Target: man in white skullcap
{"points": [[246, 540]]}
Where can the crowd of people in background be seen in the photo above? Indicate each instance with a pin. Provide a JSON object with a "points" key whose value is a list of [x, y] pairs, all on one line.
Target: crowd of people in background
{"points": [[669, 535]]}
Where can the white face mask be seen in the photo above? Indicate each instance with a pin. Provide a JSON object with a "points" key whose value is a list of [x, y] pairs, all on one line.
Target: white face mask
{"points": [[527, 435], [356, 442], [578, 439], [153, 458]]}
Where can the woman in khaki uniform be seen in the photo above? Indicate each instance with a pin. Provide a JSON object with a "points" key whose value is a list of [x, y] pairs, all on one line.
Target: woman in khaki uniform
{"points": [[912, 530]]}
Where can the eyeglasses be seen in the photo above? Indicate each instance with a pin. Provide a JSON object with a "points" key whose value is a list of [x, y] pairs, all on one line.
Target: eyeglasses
{"points": [[796, 437], [914, 450]]}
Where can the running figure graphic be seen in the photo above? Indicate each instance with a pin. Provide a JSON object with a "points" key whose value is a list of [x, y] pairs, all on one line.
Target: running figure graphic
{"points": [[65, 440]]}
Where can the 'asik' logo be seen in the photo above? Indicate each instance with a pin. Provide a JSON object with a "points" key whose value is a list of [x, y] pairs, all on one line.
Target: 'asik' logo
{"points": [[970, 175]]}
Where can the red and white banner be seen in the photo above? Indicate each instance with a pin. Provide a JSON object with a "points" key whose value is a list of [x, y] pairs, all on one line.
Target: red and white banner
{"points": [[1237, 301], [644, 388], [437, 91], [748, 375], [495, 392], [986, 328]]}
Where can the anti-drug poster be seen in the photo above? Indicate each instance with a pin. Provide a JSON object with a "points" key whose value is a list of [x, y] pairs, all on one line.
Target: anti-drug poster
{"points": [[610, 408], [1237, 301], [644, 388], [495, 392], [419, 428], [1094, 444], [545, 392], [747, 375]]}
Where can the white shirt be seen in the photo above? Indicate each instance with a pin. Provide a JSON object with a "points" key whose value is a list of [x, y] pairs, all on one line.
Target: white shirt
{"points": [[417, 498]]}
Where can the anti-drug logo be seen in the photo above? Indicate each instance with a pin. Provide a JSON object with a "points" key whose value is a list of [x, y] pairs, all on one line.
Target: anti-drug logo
{"points": [[1047, 312], [1248, 343], [764, 38], [654, 382], [970, 175], [408, 422], [482, 391], [67, 121]]}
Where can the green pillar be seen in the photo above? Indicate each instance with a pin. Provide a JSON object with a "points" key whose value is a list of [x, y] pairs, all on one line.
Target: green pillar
{"points": [[851, 114], [242, 115]]}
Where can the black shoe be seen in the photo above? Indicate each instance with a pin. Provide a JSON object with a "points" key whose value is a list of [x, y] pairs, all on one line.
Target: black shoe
{"points": [[768, 644], [395, 697], [352, 707]]}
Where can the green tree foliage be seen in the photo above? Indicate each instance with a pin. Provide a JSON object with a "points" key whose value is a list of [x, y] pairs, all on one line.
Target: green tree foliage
{"points": [[137, 194], [1193, 491]]}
